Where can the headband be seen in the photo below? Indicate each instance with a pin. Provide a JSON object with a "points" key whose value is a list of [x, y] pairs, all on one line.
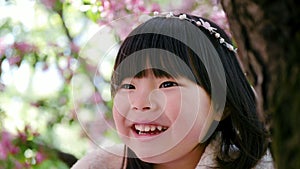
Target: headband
{"points": [[203, 24]]}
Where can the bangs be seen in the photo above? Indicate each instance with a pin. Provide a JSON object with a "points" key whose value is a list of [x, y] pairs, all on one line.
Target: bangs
{"points": [[161, 63], [158, 54]]}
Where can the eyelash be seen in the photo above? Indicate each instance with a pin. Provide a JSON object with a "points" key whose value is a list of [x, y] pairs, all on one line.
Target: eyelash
{"points": [[127, 86], [166, 84]]}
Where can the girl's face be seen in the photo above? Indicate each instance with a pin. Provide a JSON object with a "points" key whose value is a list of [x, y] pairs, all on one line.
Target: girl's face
{"points": [[161, 119]]}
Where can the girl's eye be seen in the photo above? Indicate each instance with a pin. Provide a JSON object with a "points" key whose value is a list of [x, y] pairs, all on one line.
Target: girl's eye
{"points": [[127, 86], [168, 84]]}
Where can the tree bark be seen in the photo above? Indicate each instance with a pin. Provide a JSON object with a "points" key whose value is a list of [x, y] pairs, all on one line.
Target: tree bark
{"points": [[268, 39]]}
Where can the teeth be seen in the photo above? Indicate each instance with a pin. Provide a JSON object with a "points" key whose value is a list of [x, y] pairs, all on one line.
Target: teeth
{"points": [[147, 128], [139, 127], [159, 128], [153, 128]]}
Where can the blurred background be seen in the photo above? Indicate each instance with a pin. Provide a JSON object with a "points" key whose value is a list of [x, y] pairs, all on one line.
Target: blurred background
{"points": [[55, 102]]}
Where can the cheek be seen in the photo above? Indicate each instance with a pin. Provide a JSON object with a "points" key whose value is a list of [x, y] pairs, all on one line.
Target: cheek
{"points": [[117, 116], [173, 105], [120, 109], [121, 104], [118, 119], [195, 108]]}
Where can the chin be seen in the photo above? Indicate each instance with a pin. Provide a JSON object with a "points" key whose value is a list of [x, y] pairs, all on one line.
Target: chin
{"points": [[155, 160], [159, 159]]}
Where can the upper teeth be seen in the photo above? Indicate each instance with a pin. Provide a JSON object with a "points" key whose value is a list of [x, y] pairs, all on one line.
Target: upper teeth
{"points": [[147, 128]]}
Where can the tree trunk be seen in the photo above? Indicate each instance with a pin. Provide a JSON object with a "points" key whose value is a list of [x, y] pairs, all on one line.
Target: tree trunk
{"points": [[268, 39]]}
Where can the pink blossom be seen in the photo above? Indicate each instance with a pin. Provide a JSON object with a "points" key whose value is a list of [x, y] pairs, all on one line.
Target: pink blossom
{"points": [[2, 47], [135, 6], [219, 17], [3, 152], [141, 8], [18, 165], [96, 98], [185, 6], [14, 150], [26, 165], [39, 157], [72, 114], [5, 145], [134, 2], [74, 47], [111, 10], [24, 47], [14, 60], [155, 7], [105, 4], [49, 3], [45, 67], [22, 136]]}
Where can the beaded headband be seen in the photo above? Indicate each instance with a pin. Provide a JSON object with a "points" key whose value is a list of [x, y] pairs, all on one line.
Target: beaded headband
{"points": [[201, 23]]}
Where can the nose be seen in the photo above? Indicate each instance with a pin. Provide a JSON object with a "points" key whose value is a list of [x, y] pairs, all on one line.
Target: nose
{"points": [[140, 100]]}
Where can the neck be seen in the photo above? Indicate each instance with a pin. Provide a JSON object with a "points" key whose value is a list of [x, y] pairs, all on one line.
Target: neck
{"points": [[189, 161]]}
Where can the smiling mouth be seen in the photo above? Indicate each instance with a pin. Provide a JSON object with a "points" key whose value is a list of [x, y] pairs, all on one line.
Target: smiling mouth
{"points": [[145, 129]]}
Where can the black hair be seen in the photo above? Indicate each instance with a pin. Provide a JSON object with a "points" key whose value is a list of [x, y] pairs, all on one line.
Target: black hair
{"points": [[242, 130]]}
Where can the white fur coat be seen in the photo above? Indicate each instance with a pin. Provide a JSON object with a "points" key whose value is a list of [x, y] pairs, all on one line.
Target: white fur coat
{"points": [[101, 159]]}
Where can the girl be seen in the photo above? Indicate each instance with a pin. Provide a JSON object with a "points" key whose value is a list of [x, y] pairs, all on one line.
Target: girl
{"points": [[182, 101]]}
